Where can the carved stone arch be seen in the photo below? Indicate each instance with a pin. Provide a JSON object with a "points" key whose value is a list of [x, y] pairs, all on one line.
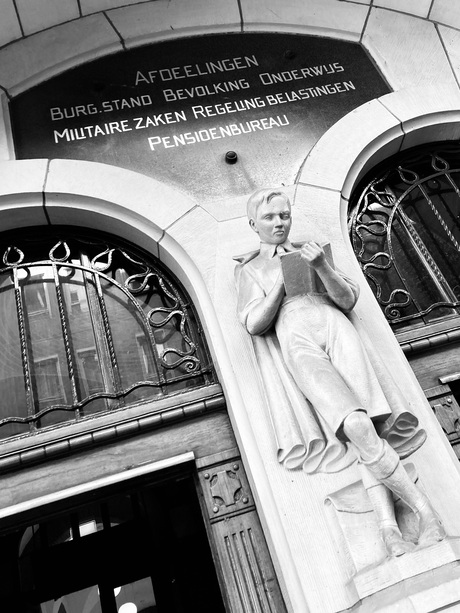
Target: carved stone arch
{"points": [[358, 142], [99, 196], [126, 204], [70, 44], [375, 131]]}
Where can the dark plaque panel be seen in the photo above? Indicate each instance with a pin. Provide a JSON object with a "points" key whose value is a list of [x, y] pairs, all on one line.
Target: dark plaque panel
{"points": [[172, 110]]}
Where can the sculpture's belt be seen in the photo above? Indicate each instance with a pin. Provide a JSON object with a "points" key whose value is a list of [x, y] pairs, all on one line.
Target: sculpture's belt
{"points": [[307, 300]]}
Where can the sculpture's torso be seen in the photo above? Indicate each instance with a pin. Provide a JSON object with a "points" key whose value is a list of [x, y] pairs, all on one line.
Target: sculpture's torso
{"points": [[320, 346]]}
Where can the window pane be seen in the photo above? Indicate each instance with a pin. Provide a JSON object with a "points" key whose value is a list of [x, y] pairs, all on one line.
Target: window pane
{"points": [[437, 221], [88, 372], [135, 596], [408, 261], [126, 327], [82, 601], [49, 371], [12, 386], [173, 349]]}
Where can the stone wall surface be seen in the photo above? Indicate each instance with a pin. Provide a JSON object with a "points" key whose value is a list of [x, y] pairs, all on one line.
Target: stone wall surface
{"points": [[416, 46], [44, 38]]}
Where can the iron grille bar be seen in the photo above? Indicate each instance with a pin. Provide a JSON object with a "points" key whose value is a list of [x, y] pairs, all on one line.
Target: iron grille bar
{"points": [[24, 348], [439, 217], [425, 257], [66, 337], [108, 334]]}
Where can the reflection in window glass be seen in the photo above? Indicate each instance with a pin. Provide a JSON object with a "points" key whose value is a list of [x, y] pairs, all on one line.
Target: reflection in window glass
{"points": [[90, 372], [135, 597], [127, 324], [36, 294], [144, 348], [82, 601], [48, 380]]}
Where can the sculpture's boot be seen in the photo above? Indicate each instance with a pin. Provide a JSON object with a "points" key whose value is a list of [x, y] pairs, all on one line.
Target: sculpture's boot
{"points": [[387, 469], [382, 502]]}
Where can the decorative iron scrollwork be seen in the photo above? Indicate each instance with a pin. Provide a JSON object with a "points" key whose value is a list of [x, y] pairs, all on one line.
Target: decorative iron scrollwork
{"points": [[98, 327], [405, 230], [161, 316]]}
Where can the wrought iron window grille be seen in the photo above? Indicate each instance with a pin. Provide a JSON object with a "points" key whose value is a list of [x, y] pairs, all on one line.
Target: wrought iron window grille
{"points": [[89, 326], [405, 230]]}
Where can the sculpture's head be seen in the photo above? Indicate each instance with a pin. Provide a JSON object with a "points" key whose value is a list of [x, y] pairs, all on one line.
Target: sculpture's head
{"points": [[269, 214]]}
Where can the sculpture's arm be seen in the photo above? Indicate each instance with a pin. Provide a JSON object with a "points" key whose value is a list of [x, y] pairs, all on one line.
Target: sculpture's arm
{"points": [[336, 286], [257, 310], [264, 311]]}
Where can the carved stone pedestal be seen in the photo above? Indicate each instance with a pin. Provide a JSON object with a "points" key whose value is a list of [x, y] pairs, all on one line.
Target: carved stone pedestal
{"points": [[424, 581]]}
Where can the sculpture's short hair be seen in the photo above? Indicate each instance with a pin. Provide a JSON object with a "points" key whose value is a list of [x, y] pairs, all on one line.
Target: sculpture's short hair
{"points": [[262, 196]]}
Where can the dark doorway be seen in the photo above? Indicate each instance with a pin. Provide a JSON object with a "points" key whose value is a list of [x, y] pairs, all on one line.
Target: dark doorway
{"points": [[143, 550]]}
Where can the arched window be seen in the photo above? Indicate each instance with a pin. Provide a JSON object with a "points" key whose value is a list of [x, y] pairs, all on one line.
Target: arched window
{"points": [[89, 325], [405, 230]]}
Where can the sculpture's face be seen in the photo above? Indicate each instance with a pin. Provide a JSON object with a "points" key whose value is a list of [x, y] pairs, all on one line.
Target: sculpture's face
{"points": [[273, 221]]}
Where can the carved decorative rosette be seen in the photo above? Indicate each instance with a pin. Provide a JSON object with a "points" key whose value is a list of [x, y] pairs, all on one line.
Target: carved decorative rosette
{"points": [[225, 489]]}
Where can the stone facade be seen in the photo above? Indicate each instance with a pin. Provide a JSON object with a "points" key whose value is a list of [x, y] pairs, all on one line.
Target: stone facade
{"points": [[416, 46]]}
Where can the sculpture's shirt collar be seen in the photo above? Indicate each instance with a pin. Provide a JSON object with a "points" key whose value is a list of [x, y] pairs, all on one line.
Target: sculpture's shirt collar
{"points": [[268, 250]]}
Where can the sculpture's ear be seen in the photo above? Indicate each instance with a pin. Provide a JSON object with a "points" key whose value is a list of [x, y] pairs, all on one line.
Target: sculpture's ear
{"points": [[252, 223]]}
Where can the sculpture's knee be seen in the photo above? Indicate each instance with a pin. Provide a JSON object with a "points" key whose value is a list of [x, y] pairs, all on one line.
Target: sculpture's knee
{"points": [[357, 424], [360, 430]]}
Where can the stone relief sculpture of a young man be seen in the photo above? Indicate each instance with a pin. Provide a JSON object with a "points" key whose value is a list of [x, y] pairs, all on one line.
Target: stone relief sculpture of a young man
{"points": [[324, 355]]}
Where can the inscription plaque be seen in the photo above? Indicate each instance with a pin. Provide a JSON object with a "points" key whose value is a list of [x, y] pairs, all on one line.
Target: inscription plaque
{"points": [[172, 110]]}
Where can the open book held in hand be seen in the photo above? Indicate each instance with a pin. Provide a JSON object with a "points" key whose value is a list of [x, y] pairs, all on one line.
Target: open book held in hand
{"points": [[300, 278]]}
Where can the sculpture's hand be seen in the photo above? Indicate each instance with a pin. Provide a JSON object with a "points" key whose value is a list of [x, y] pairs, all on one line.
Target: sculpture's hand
{"points": [[313, 254], [337, 288]]}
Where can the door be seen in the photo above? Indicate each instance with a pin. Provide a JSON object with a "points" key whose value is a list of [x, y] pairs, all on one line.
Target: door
{"points": [[141, 550]]}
